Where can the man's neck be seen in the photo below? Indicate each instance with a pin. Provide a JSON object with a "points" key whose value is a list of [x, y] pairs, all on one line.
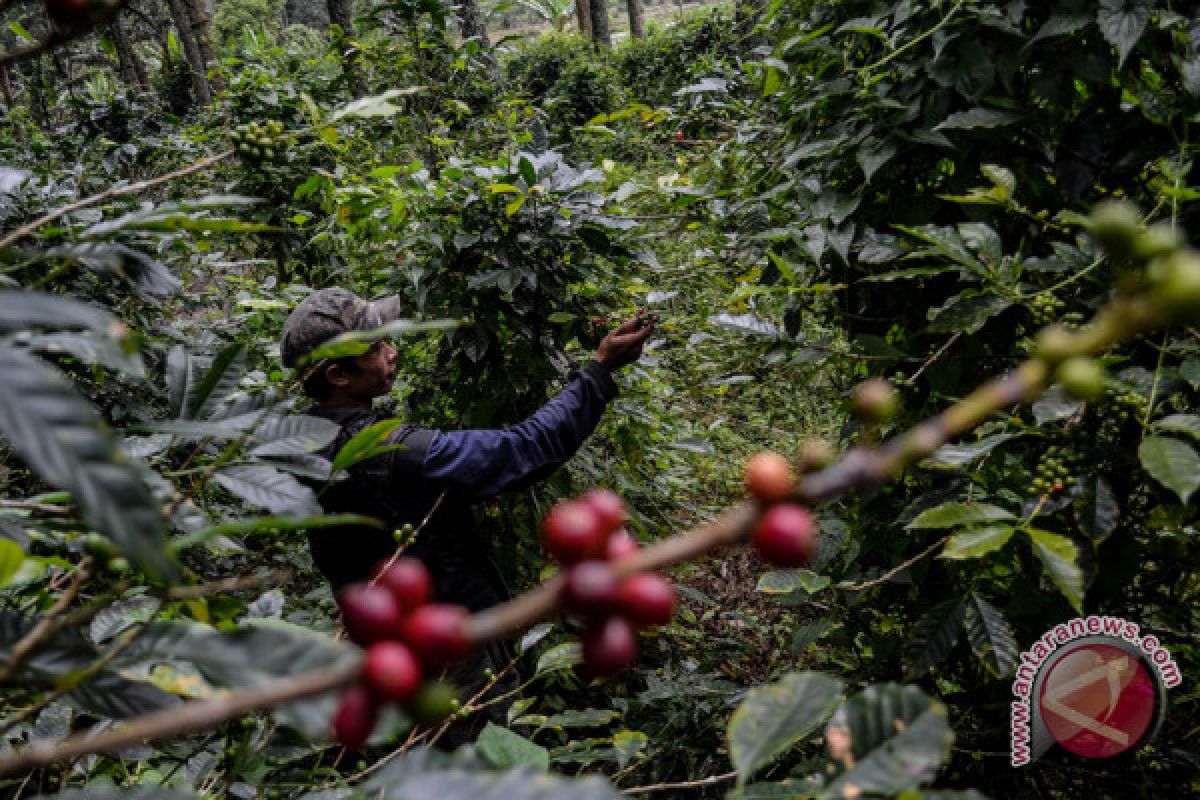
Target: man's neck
{"points": [[341, 398]]}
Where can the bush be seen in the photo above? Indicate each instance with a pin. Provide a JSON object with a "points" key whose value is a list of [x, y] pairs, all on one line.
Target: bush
{"points": [[563, 75], [652, 69]]}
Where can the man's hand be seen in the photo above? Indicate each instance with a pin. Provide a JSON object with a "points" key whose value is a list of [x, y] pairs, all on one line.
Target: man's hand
{"points": [[624, 345]]}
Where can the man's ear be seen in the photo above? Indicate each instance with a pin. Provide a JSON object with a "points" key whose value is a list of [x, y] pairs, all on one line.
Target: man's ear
{"points": [[335, 375]]}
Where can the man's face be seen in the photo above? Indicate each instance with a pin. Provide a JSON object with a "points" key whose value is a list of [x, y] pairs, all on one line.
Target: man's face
{"points": [[375, 374]]}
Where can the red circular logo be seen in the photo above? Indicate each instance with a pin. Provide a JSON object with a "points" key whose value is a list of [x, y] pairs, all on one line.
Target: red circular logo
{"points": [[1097, 700]]}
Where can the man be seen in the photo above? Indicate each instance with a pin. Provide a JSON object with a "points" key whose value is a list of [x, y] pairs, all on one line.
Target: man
{"points": [[431, 481]]}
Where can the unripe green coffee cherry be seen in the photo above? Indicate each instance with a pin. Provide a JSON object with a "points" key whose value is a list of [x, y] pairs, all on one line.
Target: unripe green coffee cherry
{"points": [[1054, 344], [433, 703], [876, 400], [1157, 241], [1115, 223], [1180, 286], [1082, 377]]}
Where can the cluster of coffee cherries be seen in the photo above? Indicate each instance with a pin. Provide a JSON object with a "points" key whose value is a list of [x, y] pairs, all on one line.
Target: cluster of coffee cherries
{"points": [[587, 536], [258, 143], [1054, 471], [405, 637], [1045, 307], [786, 533]]}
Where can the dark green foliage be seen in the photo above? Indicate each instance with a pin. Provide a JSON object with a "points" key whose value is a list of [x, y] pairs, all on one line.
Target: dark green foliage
{"points": [[563, 75], [654, 68]]}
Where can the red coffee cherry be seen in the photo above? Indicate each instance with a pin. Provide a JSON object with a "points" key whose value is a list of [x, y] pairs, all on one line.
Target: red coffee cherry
{"points": [[590, 589], [409, 582], [355, 718], [769, 477], [608, 507], [370, 613], [646, 599], [609, 647], [572, 533], [620, 545], [787, 535], [391, 671], [437, 633]]}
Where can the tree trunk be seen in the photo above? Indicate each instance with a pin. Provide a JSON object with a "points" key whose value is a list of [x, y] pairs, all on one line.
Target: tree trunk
{"points": [[583, 17], [202, 33], [472, 26], [341, 14], [132, 69], [600, 35], [6, 87], [637, 18], [183, 27]]}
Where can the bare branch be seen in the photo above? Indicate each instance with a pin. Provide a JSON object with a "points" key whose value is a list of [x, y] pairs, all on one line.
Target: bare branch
{"points": [[48, 625]]}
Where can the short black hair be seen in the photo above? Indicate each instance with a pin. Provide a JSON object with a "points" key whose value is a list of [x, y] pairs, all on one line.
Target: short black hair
{"points": [[316, 385]]}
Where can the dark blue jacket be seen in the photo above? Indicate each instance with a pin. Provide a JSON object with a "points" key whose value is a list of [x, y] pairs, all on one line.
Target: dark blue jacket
{"points": [[447, 470]]}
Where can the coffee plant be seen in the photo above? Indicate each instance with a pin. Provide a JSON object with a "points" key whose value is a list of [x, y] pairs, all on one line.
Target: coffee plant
{"points": [[922, 387]]}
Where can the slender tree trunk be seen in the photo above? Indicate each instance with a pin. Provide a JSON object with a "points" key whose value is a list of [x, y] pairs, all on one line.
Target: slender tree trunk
{"points": [[583, 17], [202, 33], [637, 18], [37, 101], [341, 13], [600, 35], [132, 68], [472, 26], [183, 27], [6, 88]]}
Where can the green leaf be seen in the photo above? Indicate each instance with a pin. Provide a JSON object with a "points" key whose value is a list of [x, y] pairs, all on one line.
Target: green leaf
{"points": [[371, 441], [587, 718], [220, 380], [977, 542], [990, 636], [1123, 22], [560, 657], [934, 636], [967, 312], [774, 717], [787, 581], [960, 515], [528, 173], [976, 118], [90, 348], [298, 433], [20, 310], [102, 792], [1059, 556], [503, 188], [267, 487], [887, 738], [627, 745], [262, 525], [67, 444], [428, 775], [11, 558], [379, 105], [504, 749], [514, 206], [955, 456], [1172, 463], [1096, 510], [1188, 424], [355, 343]]}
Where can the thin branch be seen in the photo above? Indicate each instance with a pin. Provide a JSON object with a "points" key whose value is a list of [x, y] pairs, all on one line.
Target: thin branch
{"points": [[41, 508], [933, 358], [108, 194], [228, 585], [696, 784], [891, 573], [48, 625], [171, 722]]}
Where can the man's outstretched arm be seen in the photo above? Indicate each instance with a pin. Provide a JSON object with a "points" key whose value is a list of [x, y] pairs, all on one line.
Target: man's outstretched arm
{"points": [[483, 463]]}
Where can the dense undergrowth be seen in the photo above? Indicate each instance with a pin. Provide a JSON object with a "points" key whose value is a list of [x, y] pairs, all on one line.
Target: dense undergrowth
{"points": [[836, 191]]}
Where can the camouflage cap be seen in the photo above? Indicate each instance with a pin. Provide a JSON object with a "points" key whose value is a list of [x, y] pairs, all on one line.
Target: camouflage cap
{"points": [[327, 313]]}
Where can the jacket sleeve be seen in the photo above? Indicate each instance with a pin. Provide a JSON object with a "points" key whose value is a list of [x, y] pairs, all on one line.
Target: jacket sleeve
{"points": [[483, 463]]}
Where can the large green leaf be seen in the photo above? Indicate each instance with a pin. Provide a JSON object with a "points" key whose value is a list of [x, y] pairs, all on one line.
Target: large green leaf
{"points": [[426, 775], [960, 515], [298, 433], [504, 749], [90, 348], [786, 581], [934, 635], [256, 654], [886, 739], [267, 487], [371, 441], [20, 310], [1122, 22], [220, 380], [977, 542], [774, 717], [1096, 510], [66, 443], [11, 557], [990, 636], [956, 456], [106, 693], [1172, 463], [1059, 556]]}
